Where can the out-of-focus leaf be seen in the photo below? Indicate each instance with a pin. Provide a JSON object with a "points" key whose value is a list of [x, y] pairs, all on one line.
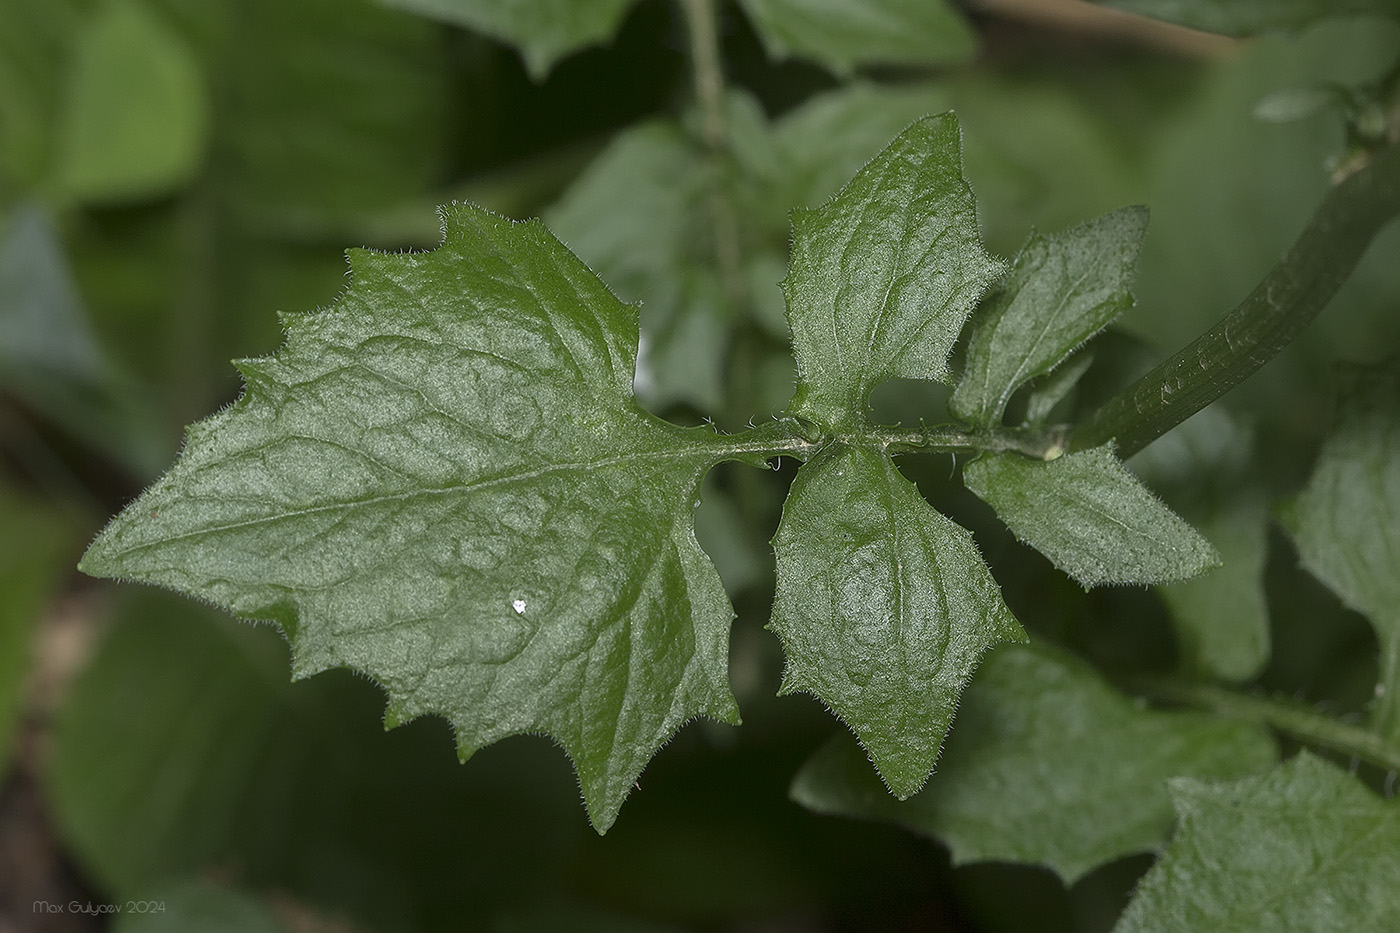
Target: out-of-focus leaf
{"points": [[135, 120], [1346, 522], [197, 905], [1301, 849], [182, 751], [1048, 765], [883, 276], [1063, 289], [445, 481], [544, 30], [1091, 517], [638, 217], [884, 608], [1249, 17], [34, 52], [31, 539], [1202, 470], [842, 34]]}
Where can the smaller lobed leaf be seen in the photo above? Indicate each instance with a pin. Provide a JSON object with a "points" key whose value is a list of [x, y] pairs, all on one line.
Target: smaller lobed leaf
{"points": [[1090, 517], [1305, 847], [883, 275], [1063, 289], [884, 607], [1049, 765]]}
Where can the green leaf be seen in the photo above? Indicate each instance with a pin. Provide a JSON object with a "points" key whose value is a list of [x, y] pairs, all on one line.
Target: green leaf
{"points": [[1049, 765], [1346, 521], [1305, 847], [637, 216], [1091, 517], [884, 607], [444, 482], [1063, 289], [135, 122], [181, 749], [882, 276], [1203, 471], [1248, 17], [544, 30], [197, 905], [842, 34], [30, 548]]}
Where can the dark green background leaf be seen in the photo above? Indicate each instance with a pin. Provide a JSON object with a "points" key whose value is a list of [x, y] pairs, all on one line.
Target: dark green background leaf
{"points": [[1047, 765], [842, 34]]}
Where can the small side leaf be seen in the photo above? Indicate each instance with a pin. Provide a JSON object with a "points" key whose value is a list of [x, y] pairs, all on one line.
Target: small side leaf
{"points": [[842, 34], [883, 276], [1049, 765], [1063, 289], [444, 481], [1091, 517], [544, 30], [1303, 848], [884, 607]]}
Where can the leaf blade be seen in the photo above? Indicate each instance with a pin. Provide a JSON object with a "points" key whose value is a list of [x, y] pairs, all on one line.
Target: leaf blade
{"points": [[842, 34], [1090, 517], [862, 313], [1063, 289], [464, 503], [886, 623]]}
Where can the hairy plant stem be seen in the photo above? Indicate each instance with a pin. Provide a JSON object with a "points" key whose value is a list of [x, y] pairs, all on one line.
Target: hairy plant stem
{"points": [[1291, 717], [701, 23], [1273, 315], [791, 437]]}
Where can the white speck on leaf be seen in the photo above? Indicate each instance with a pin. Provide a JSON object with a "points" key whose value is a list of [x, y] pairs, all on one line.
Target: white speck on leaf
{"points": [[519, 606]]}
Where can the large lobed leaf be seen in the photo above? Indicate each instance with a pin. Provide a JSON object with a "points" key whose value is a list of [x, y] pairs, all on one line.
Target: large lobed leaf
{"points": [[1302, 848], [445, 482], [1049, 765]]}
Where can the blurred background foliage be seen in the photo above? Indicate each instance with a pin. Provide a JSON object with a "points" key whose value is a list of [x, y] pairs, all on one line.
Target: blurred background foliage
{"points": [[174, 173]]}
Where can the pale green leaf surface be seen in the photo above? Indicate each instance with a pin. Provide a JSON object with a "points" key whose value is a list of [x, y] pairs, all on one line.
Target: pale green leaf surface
{"points": [[1091, 517], [135, 121], [1063, 289], [544, 30], [884, 607], [445, 482], [1248, 17], [842, 34], [1048, 765], [883, 276], [1305, 847]]}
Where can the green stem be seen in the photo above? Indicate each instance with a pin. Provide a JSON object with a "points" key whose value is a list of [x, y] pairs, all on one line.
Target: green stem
{"points": [[709, 93], [1273, 315], [789, 437], [1290, 717]]}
